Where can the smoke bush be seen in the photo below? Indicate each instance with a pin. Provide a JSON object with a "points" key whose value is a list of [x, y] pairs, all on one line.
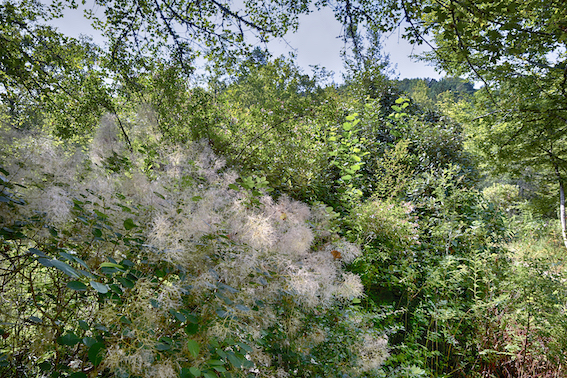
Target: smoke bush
{"points": [[162, 271]]}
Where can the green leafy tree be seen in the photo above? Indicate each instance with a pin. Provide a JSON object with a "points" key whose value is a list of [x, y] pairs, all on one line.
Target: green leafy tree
{"points": [[516, 49], [276, 121]]}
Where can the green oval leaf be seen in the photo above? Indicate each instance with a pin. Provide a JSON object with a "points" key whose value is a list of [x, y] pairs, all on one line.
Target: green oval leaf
{"points": [[45, 262], [163, 346], [100, 287], [77, 285], [193, 348], [71, 257], [191, 329], [37, 252], [69, 339], [235, 361], [96, 353], [129, 224], [242, 308], [84, 325], [65, 268], [125, 282], [111, 265], [179, 316], [89, 341], [195, 371], [35, 319]]}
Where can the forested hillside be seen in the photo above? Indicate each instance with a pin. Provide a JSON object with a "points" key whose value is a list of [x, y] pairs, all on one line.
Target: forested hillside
{"points": [[263, 221]]}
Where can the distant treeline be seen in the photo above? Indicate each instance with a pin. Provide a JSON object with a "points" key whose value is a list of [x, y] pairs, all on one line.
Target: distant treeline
{"points": [[433, 88]]}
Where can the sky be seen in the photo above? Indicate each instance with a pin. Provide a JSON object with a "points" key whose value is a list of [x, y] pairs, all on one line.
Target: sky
{"points": [[317, 42]]}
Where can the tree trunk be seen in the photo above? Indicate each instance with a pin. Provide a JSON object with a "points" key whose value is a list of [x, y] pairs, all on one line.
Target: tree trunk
{"points": [[562, 206]]}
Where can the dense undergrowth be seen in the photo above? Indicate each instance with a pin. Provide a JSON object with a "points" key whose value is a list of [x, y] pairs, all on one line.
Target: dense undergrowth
{"points": [[274, 229]]}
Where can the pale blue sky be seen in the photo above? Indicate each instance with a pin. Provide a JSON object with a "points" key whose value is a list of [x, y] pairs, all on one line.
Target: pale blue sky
{"points": [[316, 42]]}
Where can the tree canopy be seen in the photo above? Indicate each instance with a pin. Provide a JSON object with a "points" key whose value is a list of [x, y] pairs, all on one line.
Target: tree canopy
{"points": [[262, 221]]}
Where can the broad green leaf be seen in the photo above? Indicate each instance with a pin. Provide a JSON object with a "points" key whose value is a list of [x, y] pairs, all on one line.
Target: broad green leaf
{"points": [[65, 268], [235, 361], [100, 287], [89, 341], [347, 126], [215, 362], [77, 285], [125, 282], [116, 289], [71, 257], [68, 339], [35, 319], [37, 252], [96, 353], [245, 347], [129, 224], [83, 325], [163, 346], [242, 308], [45, 262], [184, 373], [179, 316], [191, 329], [193, 348], [127, 262], [111, 265], [195, 371]]}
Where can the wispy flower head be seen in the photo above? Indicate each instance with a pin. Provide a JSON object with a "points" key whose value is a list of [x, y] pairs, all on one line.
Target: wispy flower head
{"points": [[296, 241], [258, 232], [57, 204], [351, 287], [373, 352], [106, 141], [343, 251]]}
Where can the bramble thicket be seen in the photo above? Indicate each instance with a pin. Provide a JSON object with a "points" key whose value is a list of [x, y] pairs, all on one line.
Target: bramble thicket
{"points": [[259, 221]]}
